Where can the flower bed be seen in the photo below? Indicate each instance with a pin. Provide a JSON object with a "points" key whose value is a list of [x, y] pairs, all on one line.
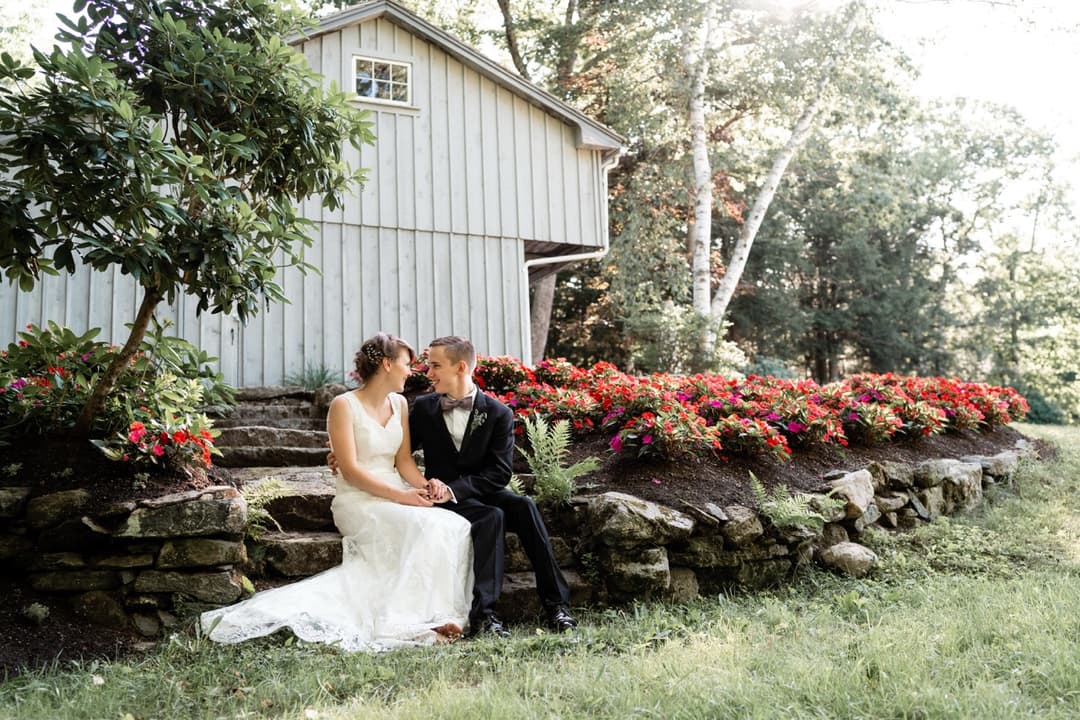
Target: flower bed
{"points": [[668, 416]]}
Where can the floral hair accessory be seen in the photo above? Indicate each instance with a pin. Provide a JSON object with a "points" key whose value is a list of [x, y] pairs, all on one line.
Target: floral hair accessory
{"points": [[373, 354]]}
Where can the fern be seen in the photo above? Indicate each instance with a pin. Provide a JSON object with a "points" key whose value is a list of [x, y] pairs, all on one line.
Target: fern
{"points": [[785, 510], [257, 498], [550, 445]]}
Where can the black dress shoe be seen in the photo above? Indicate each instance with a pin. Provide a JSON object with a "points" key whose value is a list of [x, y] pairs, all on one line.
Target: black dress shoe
{"points": [[560, 620], [488, 625]]}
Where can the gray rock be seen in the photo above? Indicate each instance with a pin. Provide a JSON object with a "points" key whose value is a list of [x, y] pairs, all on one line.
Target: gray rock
{"points": [[518, 600], [213, 587], [917, 508], [742, 527], [889, 519], [514, 557], [49, 510], [101, 608], [214, 511], [705, 522], [201, 552], [639, 574], [621, 520], [933, 499], [272, 392], [877, 476], [828, 507], [763, 573], [306, 502], [147, 625], [124, 562], [301, 554], [929, 473], [564, 555], [325, 395], [255, 455], [13, 501], [850, 558], [707, 552], [271, 437], [75, 581], [684, 585], [898, 476], [868, 518], [58, 561], [856, 489], [891, 501], [962, 487], [832, 534]]}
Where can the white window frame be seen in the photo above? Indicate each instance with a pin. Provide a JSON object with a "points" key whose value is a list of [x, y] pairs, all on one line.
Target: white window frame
{"points": [[390, 79]]}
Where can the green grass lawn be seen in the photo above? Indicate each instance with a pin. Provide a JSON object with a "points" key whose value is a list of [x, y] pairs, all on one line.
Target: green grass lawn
{"points": [[976, 617]]}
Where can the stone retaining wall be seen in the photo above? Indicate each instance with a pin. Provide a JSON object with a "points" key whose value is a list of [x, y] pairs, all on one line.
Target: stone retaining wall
{"points": [[150, 563], [140, 564]]}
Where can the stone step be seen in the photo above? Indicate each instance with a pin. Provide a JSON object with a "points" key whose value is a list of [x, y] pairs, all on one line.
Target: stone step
{"points": [[519, 601], [305, 494], [268, 436], [293, 423], [302, 409], [273, 392], [256, 456]]}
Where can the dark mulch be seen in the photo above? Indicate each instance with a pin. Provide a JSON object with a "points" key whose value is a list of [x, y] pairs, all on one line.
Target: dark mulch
{"points": [[60, 465]]}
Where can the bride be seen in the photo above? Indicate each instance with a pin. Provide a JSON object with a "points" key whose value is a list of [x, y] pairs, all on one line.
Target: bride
{"points": [[406, 572]]}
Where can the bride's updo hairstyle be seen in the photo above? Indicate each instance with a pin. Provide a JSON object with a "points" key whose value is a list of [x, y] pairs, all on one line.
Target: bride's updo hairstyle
{"points": [[374, 350]]}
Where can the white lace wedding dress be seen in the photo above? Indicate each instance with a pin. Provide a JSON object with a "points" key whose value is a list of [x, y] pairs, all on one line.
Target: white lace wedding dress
{"points": [[404, 571]]}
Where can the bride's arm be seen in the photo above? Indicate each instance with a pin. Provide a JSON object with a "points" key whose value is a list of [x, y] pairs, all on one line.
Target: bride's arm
{"points": [[339, 425], [403, 461]]}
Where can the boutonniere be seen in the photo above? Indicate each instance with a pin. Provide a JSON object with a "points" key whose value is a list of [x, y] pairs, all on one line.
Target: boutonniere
{"points": [[476, 421]]}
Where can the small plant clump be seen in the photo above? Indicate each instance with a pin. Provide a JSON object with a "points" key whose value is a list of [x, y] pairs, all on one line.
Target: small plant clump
{"points": [[549, 445], [36, 613], [785, 510]]}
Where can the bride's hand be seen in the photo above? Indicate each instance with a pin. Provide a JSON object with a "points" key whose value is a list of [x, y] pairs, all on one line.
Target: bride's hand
{"points": [[415, 496]]}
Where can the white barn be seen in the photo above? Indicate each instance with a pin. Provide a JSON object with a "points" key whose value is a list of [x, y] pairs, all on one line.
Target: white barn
{"points": [[477, 180]]}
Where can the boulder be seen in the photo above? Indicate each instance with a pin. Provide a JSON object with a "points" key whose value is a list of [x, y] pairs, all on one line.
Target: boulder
{"points": [[898, 476], [832, 534], [856, 489], [763, 573], [933, 500], [684, 585], [201, 552], [929, 473], [638, 574], [214, 511], [742, 527], [213, 587], [962, 487], [891, 501], [50, 510], [868, 518], [849, 558], [621, 520]]}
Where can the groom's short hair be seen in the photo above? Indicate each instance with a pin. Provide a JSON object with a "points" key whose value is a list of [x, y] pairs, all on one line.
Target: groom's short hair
{"points": [[457, 348]]}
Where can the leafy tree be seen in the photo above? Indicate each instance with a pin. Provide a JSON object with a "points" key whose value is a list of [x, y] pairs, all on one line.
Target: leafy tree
{"points": [[172, 139]]}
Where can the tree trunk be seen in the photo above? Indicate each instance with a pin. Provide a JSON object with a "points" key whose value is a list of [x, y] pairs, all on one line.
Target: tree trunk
{"points": [[543, 299], [93, 406], [510, 29], [741, 253], [696, 66]]}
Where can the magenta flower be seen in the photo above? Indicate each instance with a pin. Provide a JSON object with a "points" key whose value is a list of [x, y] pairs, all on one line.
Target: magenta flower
{"points": [[795, 428], [616, 443], [647, 440]]}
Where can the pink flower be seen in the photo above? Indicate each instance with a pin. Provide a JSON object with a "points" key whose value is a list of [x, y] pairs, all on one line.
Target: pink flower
{"points": [[158, 450], [646, 440], [616, 443], [795, 428]]}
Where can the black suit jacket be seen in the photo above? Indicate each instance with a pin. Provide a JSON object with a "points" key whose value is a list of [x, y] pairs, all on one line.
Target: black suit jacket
{"points": [[484, 463]]}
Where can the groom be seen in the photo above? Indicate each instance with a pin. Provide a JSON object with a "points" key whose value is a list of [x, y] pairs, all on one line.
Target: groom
{"points": [[468, 442]]}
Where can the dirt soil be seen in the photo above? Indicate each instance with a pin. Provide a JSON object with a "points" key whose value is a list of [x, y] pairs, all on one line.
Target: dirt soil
{"points": [[63, 637]]}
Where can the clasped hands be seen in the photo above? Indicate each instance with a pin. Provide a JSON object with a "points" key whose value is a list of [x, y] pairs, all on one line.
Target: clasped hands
{"points": [[434, 491]]}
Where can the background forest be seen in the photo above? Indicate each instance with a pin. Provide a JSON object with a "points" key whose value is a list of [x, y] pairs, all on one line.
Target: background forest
{"points": [[787, 203]]}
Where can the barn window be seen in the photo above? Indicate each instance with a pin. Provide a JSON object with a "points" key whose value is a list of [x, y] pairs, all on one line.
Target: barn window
{"points": [[383, 80]]}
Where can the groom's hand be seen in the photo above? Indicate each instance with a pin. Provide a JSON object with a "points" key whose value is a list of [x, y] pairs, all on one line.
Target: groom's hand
{"points": [[438, 491]]}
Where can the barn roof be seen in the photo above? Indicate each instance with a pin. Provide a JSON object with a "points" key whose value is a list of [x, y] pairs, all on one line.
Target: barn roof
{"points": [[591, 134]]}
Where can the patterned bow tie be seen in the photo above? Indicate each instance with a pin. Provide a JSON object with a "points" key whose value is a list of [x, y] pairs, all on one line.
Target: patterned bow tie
{"points": [[448, 403]]}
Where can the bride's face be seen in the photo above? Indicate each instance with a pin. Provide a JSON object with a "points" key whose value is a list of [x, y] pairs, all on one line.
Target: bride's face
{"points": [[398, 371]]}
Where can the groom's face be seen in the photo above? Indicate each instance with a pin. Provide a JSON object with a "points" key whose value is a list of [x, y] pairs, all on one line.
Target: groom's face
{"points": [[446, 376]]}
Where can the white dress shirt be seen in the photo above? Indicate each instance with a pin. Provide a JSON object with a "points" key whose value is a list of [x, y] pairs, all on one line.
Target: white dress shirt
{"points": [[457, 420]]}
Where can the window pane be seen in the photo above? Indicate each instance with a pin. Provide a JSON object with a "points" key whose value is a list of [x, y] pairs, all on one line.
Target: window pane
{"points": [[400, 73], [382, 90], [401, 92], [382, 71]]}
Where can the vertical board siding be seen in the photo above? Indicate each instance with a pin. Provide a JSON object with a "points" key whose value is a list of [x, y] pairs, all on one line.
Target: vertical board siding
{"points": [[432, 245]]}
